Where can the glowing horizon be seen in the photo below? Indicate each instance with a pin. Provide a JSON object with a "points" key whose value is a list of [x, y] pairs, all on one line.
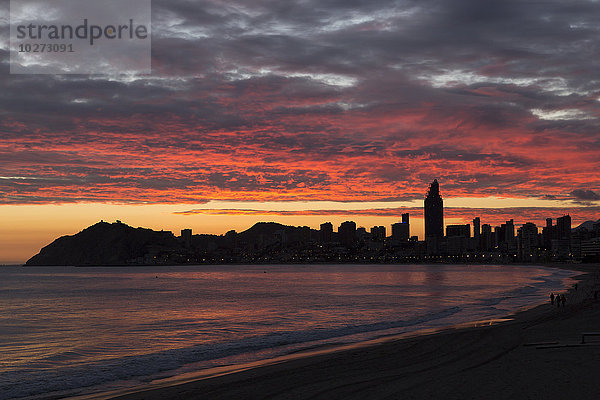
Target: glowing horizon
{"points": [[22, 235]]}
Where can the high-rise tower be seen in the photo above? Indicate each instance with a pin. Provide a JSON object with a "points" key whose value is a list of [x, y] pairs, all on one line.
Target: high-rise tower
{"points": [[434, 212]]}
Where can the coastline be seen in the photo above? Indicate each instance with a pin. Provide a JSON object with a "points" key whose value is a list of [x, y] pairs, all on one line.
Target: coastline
{"points": [[453, 362]]}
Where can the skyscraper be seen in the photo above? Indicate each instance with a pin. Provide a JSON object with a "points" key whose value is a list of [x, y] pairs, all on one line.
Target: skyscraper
{"points": [[378, 233], [401, 231], [186, 237], [509, 231], [476, 233], [561, 246], [434, 212], [347, 233], [527, 239], [326, 232], [487, 242], [563, 227], [405, 218], [476, 227]]}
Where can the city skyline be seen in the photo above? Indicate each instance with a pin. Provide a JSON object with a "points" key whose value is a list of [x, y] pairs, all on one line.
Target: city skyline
{"points": [[269, 242], [528, 243], [385, 217], [245, 218]]}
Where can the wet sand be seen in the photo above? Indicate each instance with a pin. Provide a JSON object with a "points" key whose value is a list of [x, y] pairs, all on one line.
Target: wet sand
{"points": [[536, 355]]}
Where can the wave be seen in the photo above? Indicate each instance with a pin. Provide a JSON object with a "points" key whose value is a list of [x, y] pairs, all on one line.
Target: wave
{"points": [[35, 383]]}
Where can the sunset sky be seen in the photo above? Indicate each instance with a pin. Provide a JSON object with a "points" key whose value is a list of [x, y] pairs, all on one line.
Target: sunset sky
{"points": [[309, 111]]}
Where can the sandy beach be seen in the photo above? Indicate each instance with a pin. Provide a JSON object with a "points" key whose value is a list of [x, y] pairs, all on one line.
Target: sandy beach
{"points": [[537, 354]]}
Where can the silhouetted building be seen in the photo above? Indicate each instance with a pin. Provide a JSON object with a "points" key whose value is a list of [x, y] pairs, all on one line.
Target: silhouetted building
{"points": [[186, 237], [434, 218], [361, 234], [557, 238], [509, 237], [347, 233], [326, 232], [401, 231], [405, 218], [434, 211], [405, 230], [509, 231], [476, 227], [527, 238], [563, 227], [378, 233], [457, 239], [487, 241], [456, 245], [476, 241], [561, 241], [304, 234], [548, 234], [459, 230], [590, 249], [505, 238]]}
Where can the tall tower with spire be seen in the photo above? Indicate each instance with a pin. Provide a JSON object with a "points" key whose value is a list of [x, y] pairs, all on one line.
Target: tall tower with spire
{"points": [[434, 212]]}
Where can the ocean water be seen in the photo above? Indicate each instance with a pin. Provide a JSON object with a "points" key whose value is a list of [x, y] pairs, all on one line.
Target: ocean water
{"points": [[73, 330]]}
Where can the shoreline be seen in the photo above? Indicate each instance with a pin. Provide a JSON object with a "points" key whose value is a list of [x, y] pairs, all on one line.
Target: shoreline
{"points": [[294, 355], [287, 375]]}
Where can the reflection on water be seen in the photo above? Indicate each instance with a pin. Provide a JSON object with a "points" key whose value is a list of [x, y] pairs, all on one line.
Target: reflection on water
{"points": [[61, 326], [434, 280]]}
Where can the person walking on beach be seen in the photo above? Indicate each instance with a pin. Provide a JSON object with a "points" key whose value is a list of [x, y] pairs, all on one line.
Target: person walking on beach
{"points": [[562, 298], [558, 300], [552, 298]]}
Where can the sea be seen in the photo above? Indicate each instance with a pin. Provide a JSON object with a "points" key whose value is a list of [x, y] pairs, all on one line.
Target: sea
{"points": [[67, 331]]}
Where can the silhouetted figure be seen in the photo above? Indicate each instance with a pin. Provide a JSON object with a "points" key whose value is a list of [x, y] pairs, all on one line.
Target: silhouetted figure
{"points": [[552, 298], [562, 298], [558, 300]]}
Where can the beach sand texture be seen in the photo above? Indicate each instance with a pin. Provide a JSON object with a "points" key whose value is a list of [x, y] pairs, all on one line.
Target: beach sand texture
{"points": [[536, 355]]}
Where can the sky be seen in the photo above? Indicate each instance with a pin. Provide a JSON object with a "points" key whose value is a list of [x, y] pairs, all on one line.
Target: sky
{"points": [[309, 111]]}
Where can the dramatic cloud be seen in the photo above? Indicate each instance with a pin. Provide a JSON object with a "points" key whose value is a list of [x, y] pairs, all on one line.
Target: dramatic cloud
{"points": [[585, 195], [320, 100]]}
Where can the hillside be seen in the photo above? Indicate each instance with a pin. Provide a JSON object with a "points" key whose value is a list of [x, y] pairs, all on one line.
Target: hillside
{"points": [[589, 225], [104, 244]]}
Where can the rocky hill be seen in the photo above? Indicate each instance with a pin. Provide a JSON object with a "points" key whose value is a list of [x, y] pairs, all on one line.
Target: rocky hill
{"points": [[589, 225], [105, 244]]}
